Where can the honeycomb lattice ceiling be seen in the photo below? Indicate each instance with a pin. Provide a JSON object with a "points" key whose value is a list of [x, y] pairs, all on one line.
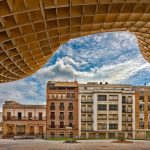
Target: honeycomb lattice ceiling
{"points": [[31, 30]]}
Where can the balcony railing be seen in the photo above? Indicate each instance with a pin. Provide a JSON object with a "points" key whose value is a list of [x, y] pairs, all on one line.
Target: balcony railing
{"points": [[86, 129], [87, 110], [102, 128], [87, 119], [127, 110], [127, 129], [127, 102], [15, 118], [127, 119], [113, 118], [86, 101]]}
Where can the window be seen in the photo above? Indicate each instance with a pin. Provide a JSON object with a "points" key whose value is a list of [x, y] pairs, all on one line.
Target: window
{"points": [[59, 96], [68, 95], [141, 125], [8, 115], [19, 116], [52, 124], [61, 117], [31, 131], [102, 107], [10, 130], [89, 99], [63, 95], [61, 134], [111, 135], [102, 126], [40, 116], [113, 107], [70, 107], [52, 134], [102, 97], [52, 106], [123, 99], [72, 95], [41, 130], [113, 97], [55, 95], [52, 116], [61, 106], [61, 124], [148, 98], [29, 116], [70, 117], [20, 129], [83, 98], [102, 117], [141, 98], [113, 117], [141, 107], [70, 124], [113, 126]]}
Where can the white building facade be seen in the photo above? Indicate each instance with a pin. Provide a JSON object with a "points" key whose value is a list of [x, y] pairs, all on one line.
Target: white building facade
{"points": [[106, 110]]}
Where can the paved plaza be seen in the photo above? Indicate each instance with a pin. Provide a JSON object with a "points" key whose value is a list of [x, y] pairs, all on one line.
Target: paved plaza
{"points": [[82, 145]]}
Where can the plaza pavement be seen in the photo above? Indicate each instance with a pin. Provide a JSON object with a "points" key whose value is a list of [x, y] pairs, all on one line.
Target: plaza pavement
{"points": [[9, 144]]}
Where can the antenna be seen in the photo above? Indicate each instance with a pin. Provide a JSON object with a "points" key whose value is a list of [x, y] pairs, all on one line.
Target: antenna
{"points": [[75, 76]]}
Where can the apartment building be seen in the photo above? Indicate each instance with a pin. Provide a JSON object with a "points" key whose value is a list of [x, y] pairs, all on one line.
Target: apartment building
{"points": [[62, 109], [19, 119], [142, 111], [106, 110]]}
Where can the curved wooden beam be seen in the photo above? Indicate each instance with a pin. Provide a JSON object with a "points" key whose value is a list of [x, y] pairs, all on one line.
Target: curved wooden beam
{"points": [[31, 30]]}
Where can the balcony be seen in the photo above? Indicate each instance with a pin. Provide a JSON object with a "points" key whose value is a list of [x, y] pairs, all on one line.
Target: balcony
{"points": [[87, 119], [127, 102], [86, 101], [70, 117], [127, 110], [86, 110], [52, 107], [87, 129], [127, 129], [102, 128], [113, 118], [15, 118], [127, 119], [61, 117]]}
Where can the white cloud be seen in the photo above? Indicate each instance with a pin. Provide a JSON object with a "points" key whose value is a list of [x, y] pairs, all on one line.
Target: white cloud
{"points": [[103, 57]]}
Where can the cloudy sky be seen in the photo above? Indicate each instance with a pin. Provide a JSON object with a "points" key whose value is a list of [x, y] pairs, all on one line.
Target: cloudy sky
{"points": [[112, 57]]}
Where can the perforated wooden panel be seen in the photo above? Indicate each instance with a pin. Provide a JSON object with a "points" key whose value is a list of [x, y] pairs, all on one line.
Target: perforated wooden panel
{"points": [[31, 30]]}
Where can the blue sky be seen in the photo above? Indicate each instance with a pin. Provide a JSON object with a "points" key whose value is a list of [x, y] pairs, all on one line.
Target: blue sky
{"points": [[106, 57]]}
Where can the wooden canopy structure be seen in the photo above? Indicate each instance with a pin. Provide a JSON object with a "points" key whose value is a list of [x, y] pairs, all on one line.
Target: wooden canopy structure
{"points": [[31, 30]]}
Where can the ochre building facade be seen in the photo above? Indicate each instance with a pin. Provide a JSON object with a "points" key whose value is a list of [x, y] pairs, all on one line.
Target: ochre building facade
{"points": [[62, 109], [19, 119]]}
